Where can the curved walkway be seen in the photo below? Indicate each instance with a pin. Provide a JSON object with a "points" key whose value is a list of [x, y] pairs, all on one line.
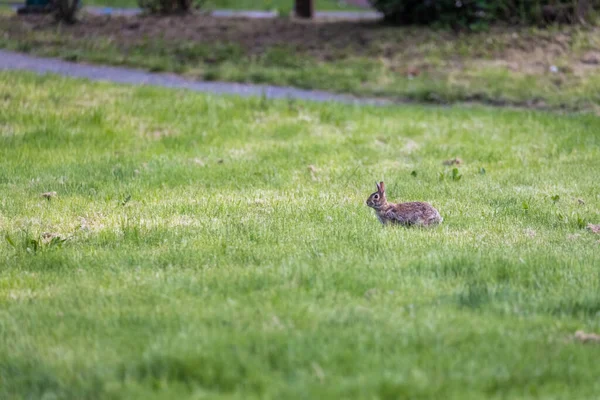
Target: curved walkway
{"points": [[252, 14], [346, 15], [16, 61]]}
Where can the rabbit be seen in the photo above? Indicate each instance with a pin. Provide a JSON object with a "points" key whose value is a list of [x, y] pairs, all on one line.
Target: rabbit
{"points": [[408, 214]]}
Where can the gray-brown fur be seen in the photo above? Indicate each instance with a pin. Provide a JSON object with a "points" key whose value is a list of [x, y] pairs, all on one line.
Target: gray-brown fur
{"points": [[408, 214]]}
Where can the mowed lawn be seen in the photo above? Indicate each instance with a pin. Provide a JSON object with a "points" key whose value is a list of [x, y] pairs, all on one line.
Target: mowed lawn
{"points": [[220, 247]]}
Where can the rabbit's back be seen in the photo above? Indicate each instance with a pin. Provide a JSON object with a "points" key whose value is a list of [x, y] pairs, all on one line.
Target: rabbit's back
{"points": [[412, 213]]}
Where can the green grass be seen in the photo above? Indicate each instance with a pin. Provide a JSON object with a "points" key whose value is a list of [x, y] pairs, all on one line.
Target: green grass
{"points": [[234, 271]]}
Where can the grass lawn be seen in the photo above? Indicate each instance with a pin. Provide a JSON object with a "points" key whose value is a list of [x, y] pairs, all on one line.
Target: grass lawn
{"points": [[555, 68], [221, 247]]}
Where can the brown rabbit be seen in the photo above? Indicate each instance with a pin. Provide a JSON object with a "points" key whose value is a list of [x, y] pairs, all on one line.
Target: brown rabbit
{"points": [[408, 214]]}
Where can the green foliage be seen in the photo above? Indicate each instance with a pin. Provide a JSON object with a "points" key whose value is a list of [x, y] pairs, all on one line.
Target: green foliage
{"points": [[24, 241], [169, 6], [476, 14], [456, 175]]}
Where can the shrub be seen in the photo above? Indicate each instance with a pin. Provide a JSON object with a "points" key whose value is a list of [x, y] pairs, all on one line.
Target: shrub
{"points": [[471, 13], [66, 10], [168, 6]]}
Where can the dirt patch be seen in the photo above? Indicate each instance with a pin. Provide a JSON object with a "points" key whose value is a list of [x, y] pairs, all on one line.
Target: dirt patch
{"points": [[584, 337], [594, 228], [252, 35], [453, 161], [48, 195]]}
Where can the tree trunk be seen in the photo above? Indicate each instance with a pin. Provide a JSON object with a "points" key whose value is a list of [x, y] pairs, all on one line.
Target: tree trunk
{"points": [[582, 10], [65, 10], [304, 8]]}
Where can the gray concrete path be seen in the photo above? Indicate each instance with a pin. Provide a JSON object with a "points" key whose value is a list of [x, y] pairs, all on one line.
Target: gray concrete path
{"points": [[254, 14], [346, 15], [16, 61]]}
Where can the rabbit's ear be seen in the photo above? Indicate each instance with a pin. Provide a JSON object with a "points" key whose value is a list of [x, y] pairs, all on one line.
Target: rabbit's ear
{"points": [[381, 187]]}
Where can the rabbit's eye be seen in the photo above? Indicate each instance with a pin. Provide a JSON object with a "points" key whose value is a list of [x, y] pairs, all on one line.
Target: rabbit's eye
{"points": [[376, 197]]}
